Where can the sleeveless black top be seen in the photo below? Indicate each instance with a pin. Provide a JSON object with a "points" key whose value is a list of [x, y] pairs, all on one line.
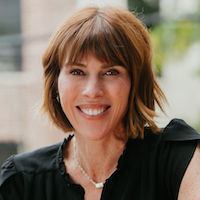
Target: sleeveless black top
{"points": [[149, 169]]}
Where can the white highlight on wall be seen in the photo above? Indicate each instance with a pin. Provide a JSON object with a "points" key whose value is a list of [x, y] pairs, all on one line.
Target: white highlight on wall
{"points": [[83, 3]]}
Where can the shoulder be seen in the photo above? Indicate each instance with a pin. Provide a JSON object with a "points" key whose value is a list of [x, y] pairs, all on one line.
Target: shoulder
{"points": [[178, 130], [172, 151], [174, 146], [190, 184], [37, 161], [41, 159]]}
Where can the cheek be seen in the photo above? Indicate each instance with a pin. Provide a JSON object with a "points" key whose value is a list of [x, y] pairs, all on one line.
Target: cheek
{"points": [[126, 84], [67, 92], [120, 97], [66, 88], [122, 89], [120, 92]]}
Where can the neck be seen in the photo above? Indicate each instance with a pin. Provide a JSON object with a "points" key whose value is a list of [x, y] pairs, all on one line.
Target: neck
{"points": [[99, 158]]}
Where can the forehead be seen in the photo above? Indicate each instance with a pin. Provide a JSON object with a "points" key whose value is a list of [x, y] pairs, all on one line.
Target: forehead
{"points": [[98, 36], [102, 53], [88, 59]]}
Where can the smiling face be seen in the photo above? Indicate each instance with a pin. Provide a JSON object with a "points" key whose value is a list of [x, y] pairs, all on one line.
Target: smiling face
{"points": [[94, 96]]}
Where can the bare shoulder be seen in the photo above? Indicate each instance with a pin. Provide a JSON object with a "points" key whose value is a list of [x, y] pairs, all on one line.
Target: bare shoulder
{"points": [[190, 185]]}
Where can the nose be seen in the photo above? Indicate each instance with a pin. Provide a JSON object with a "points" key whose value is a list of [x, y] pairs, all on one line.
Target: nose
{"points": [[93, 88]]}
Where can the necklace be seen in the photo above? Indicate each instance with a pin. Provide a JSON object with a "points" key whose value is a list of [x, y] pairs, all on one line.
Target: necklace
{"points": [[97, 185]]}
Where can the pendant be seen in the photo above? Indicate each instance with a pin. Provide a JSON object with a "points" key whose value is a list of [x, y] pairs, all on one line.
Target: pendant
{"points": [[99, 185]]}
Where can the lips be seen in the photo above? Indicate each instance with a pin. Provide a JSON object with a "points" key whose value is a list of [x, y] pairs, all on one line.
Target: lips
{"points": [[93, 111]]}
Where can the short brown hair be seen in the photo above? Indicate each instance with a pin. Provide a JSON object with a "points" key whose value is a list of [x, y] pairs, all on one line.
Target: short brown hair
{"points": [[113, 35]]}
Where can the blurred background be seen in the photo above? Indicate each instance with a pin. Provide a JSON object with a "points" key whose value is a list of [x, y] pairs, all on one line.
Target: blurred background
{"points": [[25, 28]]}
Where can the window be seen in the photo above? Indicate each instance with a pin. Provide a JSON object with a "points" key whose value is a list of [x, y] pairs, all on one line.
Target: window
{"points": [[10, 35], [7, 149]]}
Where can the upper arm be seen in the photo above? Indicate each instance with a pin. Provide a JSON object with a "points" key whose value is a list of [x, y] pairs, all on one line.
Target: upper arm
{"points": [[190, 184]]}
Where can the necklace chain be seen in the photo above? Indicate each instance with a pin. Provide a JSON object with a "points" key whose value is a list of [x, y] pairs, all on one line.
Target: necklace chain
{"points": [[97, 185]]}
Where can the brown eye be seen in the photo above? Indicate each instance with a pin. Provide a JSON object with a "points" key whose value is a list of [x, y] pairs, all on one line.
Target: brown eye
{"points": [[111, 72], [77, 72]]}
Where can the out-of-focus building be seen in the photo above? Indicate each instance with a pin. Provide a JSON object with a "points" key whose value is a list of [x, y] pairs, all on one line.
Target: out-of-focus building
{"points": [[25, 28]]}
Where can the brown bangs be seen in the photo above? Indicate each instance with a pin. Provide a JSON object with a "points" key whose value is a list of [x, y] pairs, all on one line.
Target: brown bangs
{"points": [[115, 36], [98, 36]]}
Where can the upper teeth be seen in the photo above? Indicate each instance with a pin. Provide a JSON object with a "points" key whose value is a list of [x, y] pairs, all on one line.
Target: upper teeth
{"points": [[92, 112]]}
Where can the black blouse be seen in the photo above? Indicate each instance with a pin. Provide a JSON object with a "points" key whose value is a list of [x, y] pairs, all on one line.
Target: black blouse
{"points": [[149, 169]]}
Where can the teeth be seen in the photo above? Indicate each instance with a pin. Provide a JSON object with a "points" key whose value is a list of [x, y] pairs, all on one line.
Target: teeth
{"points": [[93, 112]]}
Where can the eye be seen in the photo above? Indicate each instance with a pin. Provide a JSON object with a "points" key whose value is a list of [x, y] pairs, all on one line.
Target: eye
{"points": [[77, 72], [112, 72]]}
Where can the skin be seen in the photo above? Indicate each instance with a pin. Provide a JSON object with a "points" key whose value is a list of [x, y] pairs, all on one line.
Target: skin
{"points": [[91, 84], [190, 185], [100, 139]]}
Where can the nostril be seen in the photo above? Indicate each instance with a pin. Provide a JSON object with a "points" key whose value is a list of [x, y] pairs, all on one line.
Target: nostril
{"points": [[92, 91]]}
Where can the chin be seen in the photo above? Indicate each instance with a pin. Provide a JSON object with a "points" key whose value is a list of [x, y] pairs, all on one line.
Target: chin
{"points": [[94, 135]]}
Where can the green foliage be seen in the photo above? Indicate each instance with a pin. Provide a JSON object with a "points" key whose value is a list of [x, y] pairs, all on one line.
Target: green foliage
{"points": [[171, 39], [197, 127]]}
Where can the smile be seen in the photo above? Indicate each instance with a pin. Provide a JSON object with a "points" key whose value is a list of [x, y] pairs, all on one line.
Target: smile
{"points": [[93, 112]]}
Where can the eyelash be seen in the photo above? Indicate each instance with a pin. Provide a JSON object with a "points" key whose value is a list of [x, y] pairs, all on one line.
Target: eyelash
{"points": [[110, 72], [77, 72]]}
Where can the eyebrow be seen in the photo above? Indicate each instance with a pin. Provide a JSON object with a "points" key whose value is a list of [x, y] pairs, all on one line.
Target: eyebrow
{"points": [[104, 66], [74, 63]]}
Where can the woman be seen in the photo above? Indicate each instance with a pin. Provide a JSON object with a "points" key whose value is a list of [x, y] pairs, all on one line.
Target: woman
{"points": [[99, 84]]}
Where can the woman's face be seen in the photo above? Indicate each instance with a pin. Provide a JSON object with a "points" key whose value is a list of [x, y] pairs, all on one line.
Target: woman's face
{"points": [[94, 96]]}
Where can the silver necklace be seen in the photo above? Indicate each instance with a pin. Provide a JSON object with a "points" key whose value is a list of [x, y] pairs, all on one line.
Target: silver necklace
{"points": [[97, 185]]}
